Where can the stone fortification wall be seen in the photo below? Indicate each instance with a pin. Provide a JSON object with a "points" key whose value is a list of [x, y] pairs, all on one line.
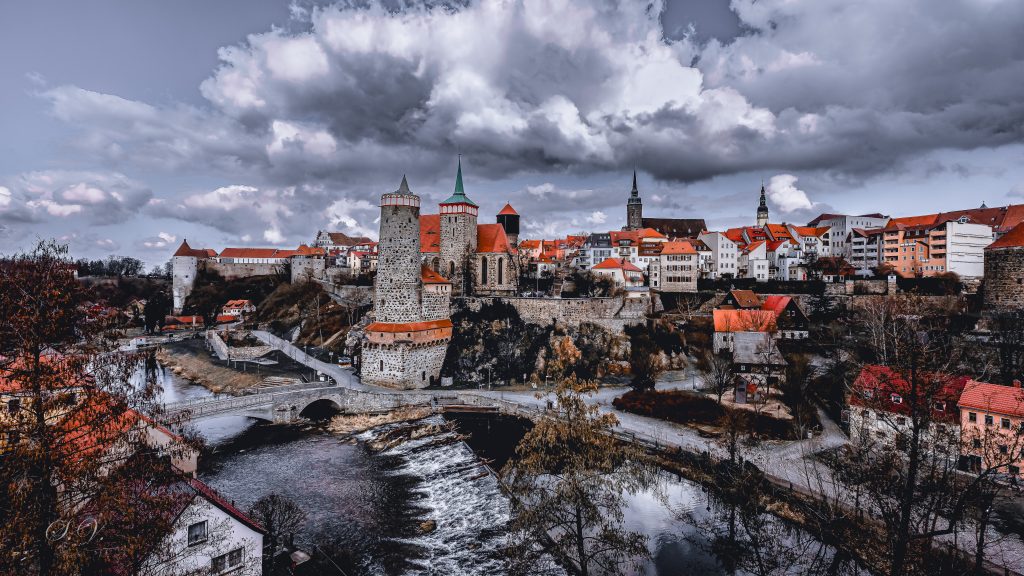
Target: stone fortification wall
{"points": [[307, 268], [403, 366], [436, 302], [217, 344], [230, 270], [1003, 287], [858, 288], [225, 352], [361, 295], [611, 313]]}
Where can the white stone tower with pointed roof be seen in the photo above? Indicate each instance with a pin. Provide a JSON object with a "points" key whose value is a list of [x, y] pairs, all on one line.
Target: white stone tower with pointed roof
{"points": [[458, 235]]}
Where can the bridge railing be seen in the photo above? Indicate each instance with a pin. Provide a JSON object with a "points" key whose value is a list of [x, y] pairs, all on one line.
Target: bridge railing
{"points": [[340, 375]]}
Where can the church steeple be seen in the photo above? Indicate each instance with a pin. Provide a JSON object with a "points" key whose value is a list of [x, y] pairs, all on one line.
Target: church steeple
{"points": [[762, 209], [634, 208], [459, 196]]}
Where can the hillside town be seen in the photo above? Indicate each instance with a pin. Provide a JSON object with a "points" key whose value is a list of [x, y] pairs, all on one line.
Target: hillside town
{"points": [[510, 288]]}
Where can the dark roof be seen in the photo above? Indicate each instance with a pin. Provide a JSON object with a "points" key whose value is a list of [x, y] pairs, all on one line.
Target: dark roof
{"points": [[676, 227]]}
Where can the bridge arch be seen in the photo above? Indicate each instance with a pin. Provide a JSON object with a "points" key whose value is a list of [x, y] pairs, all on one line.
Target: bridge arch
{"points": [[320, 408]]}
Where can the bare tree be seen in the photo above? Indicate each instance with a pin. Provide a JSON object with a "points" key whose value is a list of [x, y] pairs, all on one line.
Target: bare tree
{"points": [[279, 516], [716, 372]]}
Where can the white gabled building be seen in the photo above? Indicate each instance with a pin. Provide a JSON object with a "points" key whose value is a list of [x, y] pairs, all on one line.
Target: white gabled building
{"points": [[840, 226], [724, 254], [753, 262], [209, 536]]}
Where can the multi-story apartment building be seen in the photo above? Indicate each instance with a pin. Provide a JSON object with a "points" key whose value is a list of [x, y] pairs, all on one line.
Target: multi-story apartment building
{"points": [[865, 249], [841, 225], [928, 246], [724, 254], [992, 427], [676, 269], [753, 261]]}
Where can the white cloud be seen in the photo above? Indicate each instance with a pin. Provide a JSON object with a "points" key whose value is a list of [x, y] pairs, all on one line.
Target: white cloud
{"points": [[597, 217], [5, 196], [784, 194], [162, 240]]}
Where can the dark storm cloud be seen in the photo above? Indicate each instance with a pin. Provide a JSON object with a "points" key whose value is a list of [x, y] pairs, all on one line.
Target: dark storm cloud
{"points": [[365, 93]]}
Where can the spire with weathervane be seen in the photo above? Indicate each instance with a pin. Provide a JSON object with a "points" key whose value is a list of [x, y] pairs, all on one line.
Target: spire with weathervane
{"points": [[762, 209], [634, 208]]}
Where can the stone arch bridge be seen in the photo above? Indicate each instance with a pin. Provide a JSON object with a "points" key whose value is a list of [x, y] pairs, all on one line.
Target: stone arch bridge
{"points": [[287, 403]]}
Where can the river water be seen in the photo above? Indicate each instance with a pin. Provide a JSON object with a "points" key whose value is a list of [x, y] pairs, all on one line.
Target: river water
{"points": [[365, 509]]}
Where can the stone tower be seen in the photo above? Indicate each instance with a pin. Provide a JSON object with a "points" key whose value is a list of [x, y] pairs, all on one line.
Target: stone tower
{"points": [[402, 348], [184, 269], [1003, 285], [508, 218], [458, 236], [634, 208], [762, 209]]}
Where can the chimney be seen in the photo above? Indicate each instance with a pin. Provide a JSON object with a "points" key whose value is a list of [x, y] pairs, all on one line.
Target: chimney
{"points": [[1016, 383]]}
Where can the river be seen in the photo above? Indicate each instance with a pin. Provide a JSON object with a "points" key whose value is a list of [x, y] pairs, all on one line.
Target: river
{"points": [[365, 509]]}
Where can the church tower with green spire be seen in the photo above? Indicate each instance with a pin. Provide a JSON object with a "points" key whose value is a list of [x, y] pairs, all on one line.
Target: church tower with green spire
{"points": [[458, 236], [634, 208]]}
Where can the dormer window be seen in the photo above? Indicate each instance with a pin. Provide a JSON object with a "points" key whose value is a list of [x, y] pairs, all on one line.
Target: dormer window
{"points": [[896, 399]]}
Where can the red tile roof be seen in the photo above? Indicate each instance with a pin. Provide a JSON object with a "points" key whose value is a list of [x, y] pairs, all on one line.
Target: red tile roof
{"points": [[746, 298], [635, 236], [430, 233], [1012, 239], [219, 501], [744, 321], [249, 253], [1008, 400], [753, 246], [735, 234], [776, 304], [875, 385], [342, 239], [617, 264], [491, 238], [186, 250], [430, 277], [678, 248], [409, 326], [508, 210]]}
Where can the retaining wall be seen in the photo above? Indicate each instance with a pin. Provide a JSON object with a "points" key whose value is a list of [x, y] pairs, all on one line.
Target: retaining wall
{"points": [[611, 313]]}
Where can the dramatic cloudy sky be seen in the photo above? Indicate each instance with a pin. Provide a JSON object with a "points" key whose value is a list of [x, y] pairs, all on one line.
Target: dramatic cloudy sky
{"points": [[127, 126]]}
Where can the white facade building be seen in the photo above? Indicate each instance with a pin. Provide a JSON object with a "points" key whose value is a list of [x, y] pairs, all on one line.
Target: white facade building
{"points": [[724, 254], [965, 248], [840, 226]]}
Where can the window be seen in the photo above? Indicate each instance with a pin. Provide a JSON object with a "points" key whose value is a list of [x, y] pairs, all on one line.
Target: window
{"points": [[976, 443], [972, 416], [896, 398], [381, 365], [988, 419], [1003, 449], [13, 406], [1015, 470], [226, 561], [900, 420], [940, 407], [1004, 423], [197, 533]]}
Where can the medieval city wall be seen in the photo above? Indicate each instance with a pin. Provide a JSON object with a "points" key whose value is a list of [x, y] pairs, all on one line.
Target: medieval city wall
{"points": [[611, 313], [307, 268], [436, 302], [231, 271]]}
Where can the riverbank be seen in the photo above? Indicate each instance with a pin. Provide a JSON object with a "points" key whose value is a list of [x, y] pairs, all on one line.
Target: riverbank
{"points": [[191, 360]]}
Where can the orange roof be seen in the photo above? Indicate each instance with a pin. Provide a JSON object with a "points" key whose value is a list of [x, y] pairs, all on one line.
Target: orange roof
{"points": [[778, 231], [734, 234], [430, 277], [530, 244], [409, 326], [430, 233], [776, 304], [744, 321], [508, 210], [678, 248], [250, 253], [1012, 239], [635, 235], [491, 238], [925, 220], [186, 250], [746, 298], [617, 264], [310, 250], [815, 231], [753, 246], [1007, 400]]}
